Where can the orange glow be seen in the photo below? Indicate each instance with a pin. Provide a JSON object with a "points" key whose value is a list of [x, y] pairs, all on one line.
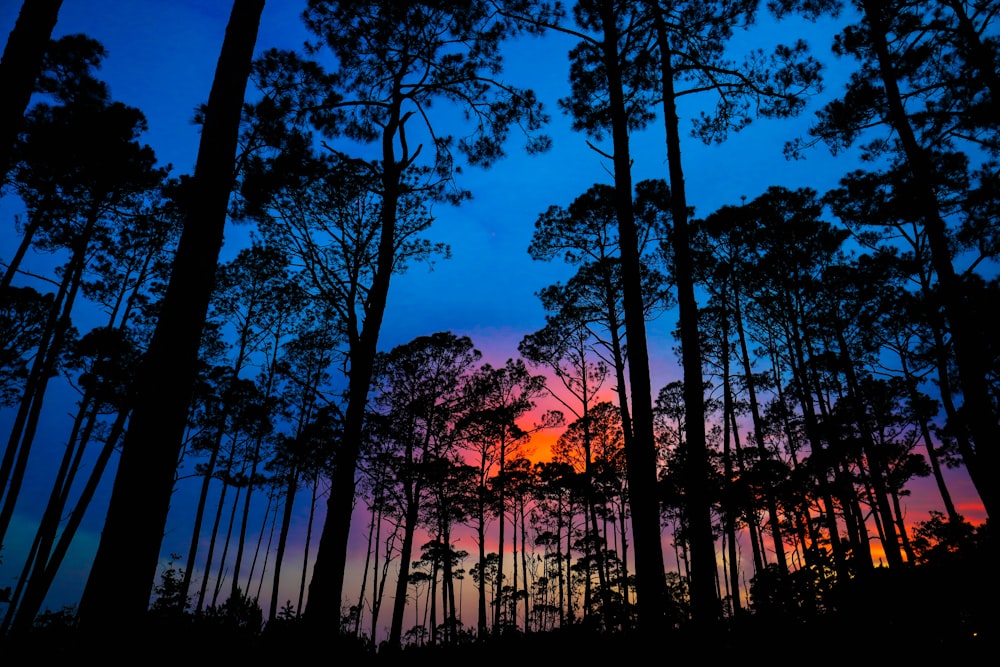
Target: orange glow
{"points": [[542, 444]]}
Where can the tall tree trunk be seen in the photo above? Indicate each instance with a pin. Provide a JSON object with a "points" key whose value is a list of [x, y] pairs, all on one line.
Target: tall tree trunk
{"points": [[524, 568], [260, 543], [199, 516], [327, 585], [729, 421], [213, 537], [402, 581], [124, 568], [481, 623], [291, 485], [245, 519], [641, 453], [305, 549], [371, 562], [501, 543], [225, 549], [698, 503], [48, 525], [759, 430], [378, 591], [19, 69]]}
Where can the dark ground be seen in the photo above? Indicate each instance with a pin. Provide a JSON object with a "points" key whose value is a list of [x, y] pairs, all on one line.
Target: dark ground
{"points": [[924, 615]]}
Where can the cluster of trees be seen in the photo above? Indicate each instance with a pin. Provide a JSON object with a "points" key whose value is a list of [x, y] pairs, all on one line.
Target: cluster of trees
{"points": [[819, 357]]}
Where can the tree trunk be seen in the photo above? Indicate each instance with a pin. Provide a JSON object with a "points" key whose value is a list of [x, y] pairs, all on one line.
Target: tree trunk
{"points": [[225, 549], [759, 429], [305, 549], [698, 504], [729, 421], [402, 582], [124, 568], [641, 452], [327, 585], [199, 517], [38, 586], [213, 537], [291, 486], [19, 69], [48, 525], [481, 543]]}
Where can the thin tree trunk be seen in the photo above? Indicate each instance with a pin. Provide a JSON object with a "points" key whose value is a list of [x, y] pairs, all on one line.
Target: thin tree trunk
{"points": [[291, 486], [245, 518], [40, 583], [199, 516], [524, 569], [698, 504], [48, 525], [405, 554], [759, 429], [267, 550], [305, 549], [220, 579], [370, 556], [211, 547], [728, 421], [641, 451]]}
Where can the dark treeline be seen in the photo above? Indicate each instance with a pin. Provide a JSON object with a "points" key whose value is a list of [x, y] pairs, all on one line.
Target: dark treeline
{"points": [[833, 346]]}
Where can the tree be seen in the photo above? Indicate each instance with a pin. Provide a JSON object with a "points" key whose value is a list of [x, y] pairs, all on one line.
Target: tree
{"points": [[23, 312], [124, 568], [729, 242], [419, 387], [499, 397], [586, 313], [902, 88], [304, 371], [20, 67], [690, 40], [252, 295], [607, 97], [51, 148], [393, 61], [83, 173]]}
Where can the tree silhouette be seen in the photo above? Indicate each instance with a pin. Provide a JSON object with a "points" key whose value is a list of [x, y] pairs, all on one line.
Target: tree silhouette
{"points": [[393, 61], [20, 67], [125, 565], [897, 87]]}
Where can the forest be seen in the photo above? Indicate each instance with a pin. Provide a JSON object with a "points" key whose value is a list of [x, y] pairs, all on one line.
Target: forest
{"points": [[319, 488]]}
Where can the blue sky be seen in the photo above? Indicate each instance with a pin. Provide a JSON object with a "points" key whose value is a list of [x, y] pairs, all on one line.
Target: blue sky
{"points": [[161, 59]]}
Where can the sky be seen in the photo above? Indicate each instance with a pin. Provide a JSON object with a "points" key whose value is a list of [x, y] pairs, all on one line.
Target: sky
{"points": [[161, 59]]}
